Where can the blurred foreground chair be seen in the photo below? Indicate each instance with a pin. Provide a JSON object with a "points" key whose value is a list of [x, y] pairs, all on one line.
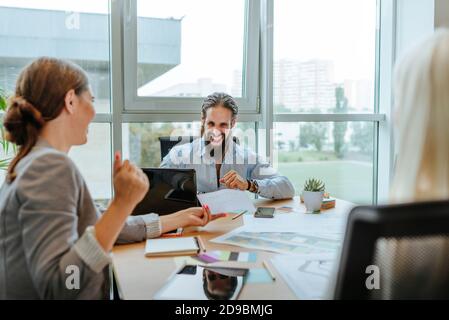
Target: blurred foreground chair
{"points": [[407, 245]]}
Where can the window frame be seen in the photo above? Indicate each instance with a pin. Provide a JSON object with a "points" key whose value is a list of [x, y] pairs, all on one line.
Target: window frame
{"points": [[126, 109], [134, 103], [382, 148], [258, 106]]}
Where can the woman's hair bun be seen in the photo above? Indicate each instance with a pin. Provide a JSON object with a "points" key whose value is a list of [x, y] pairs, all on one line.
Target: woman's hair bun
{"points": [[22, 120]]}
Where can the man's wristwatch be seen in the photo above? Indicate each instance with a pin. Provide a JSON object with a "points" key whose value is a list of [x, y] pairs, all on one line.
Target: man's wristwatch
{"points": [[253, 186]]}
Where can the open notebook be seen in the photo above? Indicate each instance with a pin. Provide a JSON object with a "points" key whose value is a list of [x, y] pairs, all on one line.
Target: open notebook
{"points": [[172, 247]]}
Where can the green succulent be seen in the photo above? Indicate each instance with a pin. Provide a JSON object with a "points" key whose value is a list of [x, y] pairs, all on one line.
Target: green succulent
{"points": [[314, 185]]}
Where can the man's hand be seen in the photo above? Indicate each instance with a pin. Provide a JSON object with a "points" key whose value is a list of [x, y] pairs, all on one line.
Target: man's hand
{"points": [[233, 180]]}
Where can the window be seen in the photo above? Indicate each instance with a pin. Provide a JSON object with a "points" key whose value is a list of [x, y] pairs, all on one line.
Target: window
{"points": [[318, 71], [71, 30], [328, 66], [186, 50], [94, 161], [141, 140], [325, 94], [339, 153]]}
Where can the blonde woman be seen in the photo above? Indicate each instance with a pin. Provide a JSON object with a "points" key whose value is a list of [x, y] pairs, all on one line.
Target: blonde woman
{"points": [[421, 130], [49, 225]]}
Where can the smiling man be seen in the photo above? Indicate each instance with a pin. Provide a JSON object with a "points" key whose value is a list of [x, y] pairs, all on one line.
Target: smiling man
{"points": [[222, 163]]}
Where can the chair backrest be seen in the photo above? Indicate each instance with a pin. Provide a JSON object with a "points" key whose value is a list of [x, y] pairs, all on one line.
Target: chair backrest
{"points": [[407, 246], [167, 143]]}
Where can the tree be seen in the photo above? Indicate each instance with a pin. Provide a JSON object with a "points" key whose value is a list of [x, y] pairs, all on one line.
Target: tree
{"points": [[280, 143], [313, 134], [362, 136], [292, 145], [340, 127], [144, 142]]}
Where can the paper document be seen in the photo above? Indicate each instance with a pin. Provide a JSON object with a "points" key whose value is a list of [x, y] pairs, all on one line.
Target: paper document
{"points": [[227, 200], [329, 225], [281, 242], [309, 278]]}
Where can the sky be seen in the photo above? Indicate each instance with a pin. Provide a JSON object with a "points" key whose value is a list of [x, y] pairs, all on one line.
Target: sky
{"points": [[212, 39], [342, 31], [212, 34]]}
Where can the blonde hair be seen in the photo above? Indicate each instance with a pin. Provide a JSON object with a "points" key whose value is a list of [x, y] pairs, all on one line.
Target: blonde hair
{"points": [[421, 94]]}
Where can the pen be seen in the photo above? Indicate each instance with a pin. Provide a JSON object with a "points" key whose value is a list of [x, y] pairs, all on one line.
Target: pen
{"points": [[240, 214], [269, 270], [201, 244]]}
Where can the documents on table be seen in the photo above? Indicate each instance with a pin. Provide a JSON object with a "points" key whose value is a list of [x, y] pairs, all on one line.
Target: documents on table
{"points": [[328, 225], [227, 200], [281, 242], [309, 278]]}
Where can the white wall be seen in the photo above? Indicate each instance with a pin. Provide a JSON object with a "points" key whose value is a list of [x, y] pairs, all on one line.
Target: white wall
{"points": [[415, 20]]}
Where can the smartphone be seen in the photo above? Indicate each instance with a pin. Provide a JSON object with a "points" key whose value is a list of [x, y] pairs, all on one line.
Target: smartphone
{"points": [[264, 212]]}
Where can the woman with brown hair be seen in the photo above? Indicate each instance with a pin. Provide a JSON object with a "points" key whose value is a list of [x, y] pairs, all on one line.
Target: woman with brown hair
{"points": [[50, 228]]}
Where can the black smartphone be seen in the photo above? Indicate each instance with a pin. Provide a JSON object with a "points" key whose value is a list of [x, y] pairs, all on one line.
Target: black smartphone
{"points": [[264, 212]]}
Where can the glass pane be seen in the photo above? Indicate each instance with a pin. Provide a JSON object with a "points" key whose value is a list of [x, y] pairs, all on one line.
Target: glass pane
{"points": [[72, 30], [141, 140], [328, 66], [340, 153], [190, 48], [94, 161]]}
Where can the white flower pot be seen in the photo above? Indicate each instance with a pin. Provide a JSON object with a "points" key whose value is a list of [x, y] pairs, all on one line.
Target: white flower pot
{"points": [[312, 201]]}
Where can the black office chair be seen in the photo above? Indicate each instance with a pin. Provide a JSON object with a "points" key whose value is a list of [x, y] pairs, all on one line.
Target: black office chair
{"points": [[167, 143], [409, 243]]}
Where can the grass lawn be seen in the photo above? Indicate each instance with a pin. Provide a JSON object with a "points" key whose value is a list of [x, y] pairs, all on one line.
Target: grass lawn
{"points": [[348, 180]]}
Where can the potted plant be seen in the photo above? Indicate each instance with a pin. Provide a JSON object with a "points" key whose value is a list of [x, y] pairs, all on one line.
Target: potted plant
{"points": [[313, 195], [6, 146]]}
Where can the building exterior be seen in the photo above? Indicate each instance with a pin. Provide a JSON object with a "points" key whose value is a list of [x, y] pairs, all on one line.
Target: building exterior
{"points": [[70, 35], [304, 86], [202, 88]]}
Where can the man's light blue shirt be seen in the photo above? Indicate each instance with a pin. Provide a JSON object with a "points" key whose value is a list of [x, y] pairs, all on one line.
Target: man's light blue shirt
{"points": [[245, 162]]}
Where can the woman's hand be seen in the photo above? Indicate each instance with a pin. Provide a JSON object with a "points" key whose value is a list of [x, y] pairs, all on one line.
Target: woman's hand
{"points": [[199, 216], [130, 184]]}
